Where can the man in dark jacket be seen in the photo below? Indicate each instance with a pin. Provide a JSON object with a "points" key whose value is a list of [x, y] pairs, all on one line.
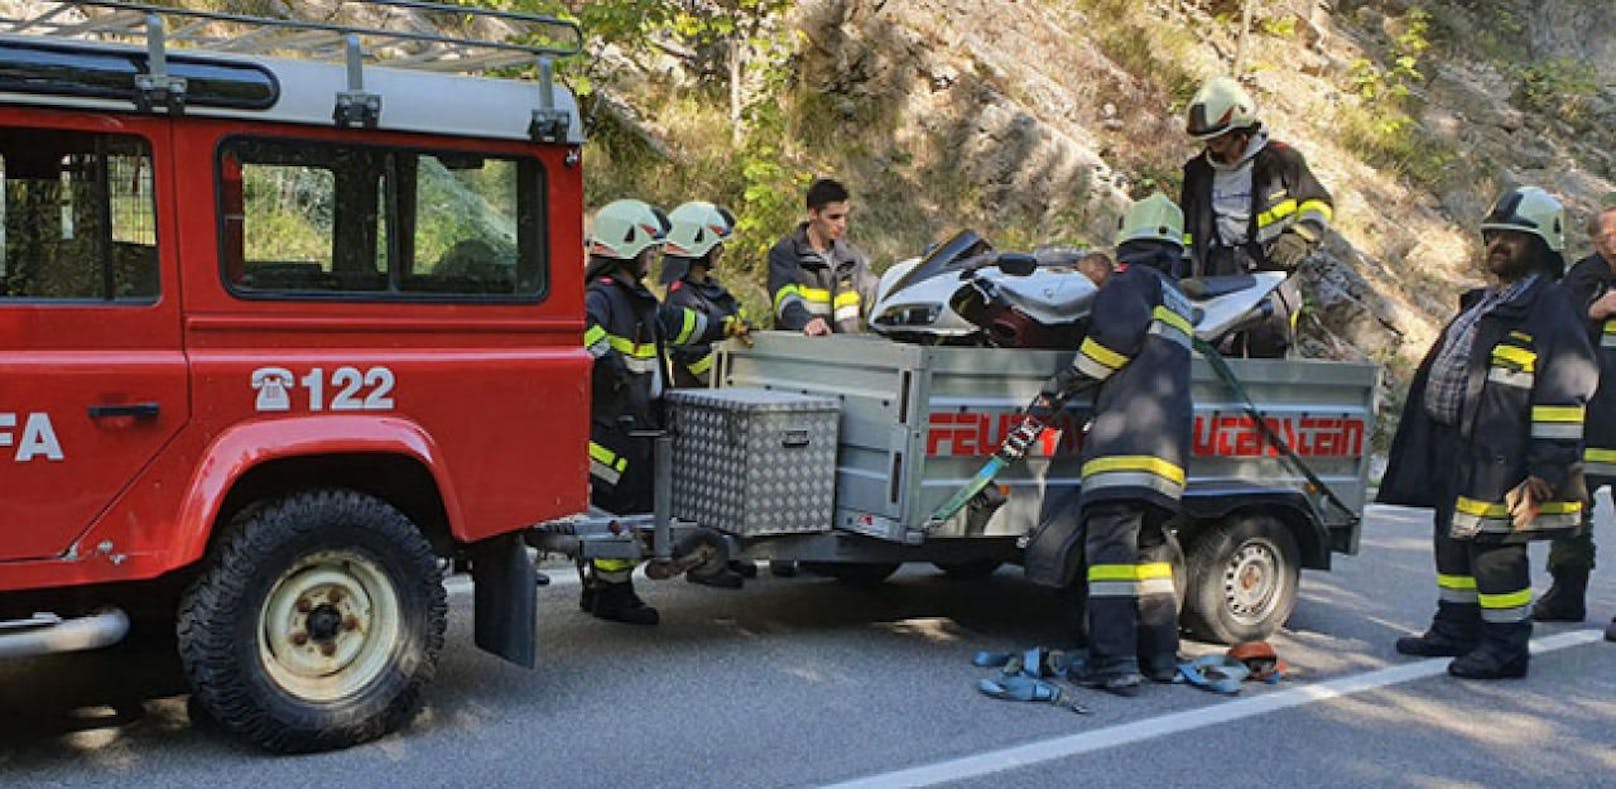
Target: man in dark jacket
{"points": [[1491, 438], [1137, 353], [1250, 204], [1592, 284], [821, 284], [625, 330]]}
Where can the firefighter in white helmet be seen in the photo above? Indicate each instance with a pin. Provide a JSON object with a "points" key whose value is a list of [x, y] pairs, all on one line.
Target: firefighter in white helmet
{"points": [[699, 230], [1250, 204], [627, 332], [1136, 358], [1491, 438]]}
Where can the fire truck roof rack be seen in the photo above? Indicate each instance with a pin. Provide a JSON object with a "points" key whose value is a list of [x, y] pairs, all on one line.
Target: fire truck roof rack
{"points": [[409, 45]]}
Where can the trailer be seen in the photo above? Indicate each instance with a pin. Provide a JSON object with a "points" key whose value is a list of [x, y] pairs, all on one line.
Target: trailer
{"points": [[835, 452]]}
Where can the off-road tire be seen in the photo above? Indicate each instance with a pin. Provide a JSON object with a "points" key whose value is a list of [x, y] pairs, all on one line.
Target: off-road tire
{"points": [[305, 545], [969, 570], [1244, 574], [854, 573]]}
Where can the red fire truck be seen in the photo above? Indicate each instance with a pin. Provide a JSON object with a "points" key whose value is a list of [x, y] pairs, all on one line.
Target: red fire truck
{"points": [[276, 335]]}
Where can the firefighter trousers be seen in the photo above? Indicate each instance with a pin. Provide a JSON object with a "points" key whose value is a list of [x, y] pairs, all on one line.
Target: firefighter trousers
{"points": [[1575, 554], [1132, 608], [1484, 588], [621, 482]]}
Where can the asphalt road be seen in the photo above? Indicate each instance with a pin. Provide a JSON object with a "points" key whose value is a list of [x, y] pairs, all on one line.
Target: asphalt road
{"points": [[807, 681]]}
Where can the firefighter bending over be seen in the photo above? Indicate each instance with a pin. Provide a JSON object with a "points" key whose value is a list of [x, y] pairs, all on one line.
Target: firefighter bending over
{"points": [[1137, 354]]}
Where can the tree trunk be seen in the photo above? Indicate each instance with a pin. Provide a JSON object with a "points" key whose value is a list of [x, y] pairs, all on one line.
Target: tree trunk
{"points": [[1245, 34], [737, 49]]}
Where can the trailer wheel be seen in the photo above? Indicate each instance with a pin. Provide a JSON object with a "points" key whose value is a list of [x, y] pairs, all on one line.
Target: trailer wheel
{"points": [[855, 573], [316, 622], [1244, 575], [972, 570]]}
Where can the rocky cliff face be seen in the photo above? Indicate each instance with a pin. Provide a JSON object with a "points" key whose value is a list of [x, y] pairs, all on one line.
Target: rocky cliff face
{"points": [[1042, 110]]}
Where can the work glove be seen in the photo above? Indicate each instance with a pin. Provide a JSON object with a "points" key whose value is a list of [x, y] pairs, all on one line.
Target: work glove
{"points": [[1290, 250], [736, 326], [1193, 287]]}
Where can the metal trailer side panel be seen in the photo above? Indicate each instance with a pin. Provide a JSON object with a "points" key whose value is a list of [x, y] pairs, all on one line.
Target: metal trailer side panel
{"points": [[918, 421]]}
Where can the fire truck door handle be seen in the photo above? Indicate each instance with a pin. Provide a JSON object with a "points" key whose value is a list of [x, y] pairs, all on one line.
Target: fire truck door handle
{"points": [[140, 411]]}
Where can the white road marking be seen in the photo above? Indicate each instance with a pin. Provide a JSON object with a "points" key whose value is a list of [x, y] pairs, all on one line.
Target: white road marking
{"points": [[1030, 754]]}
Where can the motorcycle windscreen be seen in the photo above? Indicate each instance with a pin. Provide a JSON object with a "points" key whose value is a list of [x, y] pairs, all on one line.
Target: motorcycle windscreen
{"points": [[948, 256]]}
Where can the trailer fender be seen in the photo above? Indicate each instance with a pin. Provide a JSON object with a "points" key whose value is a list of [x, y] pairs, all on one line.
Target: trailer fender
{"points": [[1212, 503]]}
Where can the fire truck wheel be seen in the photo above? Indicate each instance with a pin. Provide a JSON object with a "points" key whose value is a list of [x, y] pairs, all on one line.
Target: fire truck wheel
{"points": [[316, 622], [855, 573], [1244, 574], [972, 570]]}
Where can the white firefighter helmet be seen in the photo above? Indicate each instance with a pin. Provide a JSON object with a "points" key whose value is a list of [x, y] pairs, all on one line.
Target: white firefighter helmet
{"points": [[1155, 218], [1220, 106], [624, 228], [1528, 209]]}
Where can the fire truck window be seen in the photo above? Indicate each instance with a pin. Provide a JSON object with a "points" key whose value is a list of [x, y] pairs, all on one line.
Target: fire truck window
{"points": [[319, 219], [469, 226], [78, 219]]}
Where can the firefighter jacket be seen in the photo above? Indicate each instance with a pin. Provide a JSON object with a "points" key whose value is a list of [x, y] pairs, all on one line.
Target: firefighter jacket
{"points": [[1138, 348], [1284, 196], [1530, 374], [1587, 282], [692, 362], [804, 284], [626, 330]]}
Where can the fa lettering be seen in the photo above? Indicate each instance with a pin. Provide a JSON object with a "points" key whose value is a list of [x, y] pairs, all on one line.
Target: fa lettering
{"points": [[35, 439]]}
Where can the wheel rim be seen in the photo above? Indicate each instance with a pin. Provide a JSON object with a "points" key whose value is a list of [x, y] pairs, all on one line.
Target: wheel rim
{"points": [[1252, 582], [329, 626]]}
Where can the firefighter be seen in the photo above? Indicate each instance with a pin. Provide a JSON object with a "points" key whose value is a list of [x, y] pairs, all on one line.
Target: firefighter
{"points": [[1250, 204], [1491, 438], [1138, 354], [695, 243], [821, 284], [626, 330], [1592, 282]]}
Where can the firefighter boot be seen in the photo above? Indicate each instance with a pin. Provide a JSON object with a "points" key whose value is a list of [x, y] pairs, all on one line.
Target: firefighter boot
{"points": [[1564, 602], [1502, 654], [1118, 677], [616, 602], [1454, 631]]}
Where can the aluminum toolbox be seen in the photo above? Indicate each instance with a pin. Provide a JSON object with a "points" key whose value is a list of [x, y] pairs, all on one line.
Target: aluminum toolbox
{"points": [[918, 421], [754, 462]]}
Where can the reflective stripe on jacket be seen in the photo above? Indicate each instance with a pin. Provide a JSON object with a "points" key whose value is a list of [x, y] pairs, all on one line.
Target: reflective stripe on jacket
{"points": [[691, 363], [804, 285], [1530, 376], [1138, 347], [625, 328], [1587, 281], [1284, 196]]}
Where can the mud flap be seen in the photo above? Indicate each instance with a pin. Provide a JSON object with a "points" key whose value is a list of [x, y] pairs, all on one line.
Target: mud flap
{"points": [[506, 600], [1055, 548]]}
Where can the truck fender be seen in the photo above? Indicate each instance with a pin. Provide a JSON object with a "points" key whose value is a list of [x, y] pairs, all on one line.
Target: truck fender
{"points": [[244, 447]]}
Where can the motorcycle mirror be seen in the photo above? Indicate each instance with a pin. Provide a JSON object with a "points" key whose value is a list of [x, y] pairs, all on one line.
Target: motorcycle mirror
{"points": [[1017, 265]]}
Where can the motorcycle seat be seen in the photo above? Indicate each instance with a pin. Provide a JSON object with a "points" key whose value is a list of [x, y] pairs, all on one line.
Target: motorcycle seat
{"points": [[1213, 287]]}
